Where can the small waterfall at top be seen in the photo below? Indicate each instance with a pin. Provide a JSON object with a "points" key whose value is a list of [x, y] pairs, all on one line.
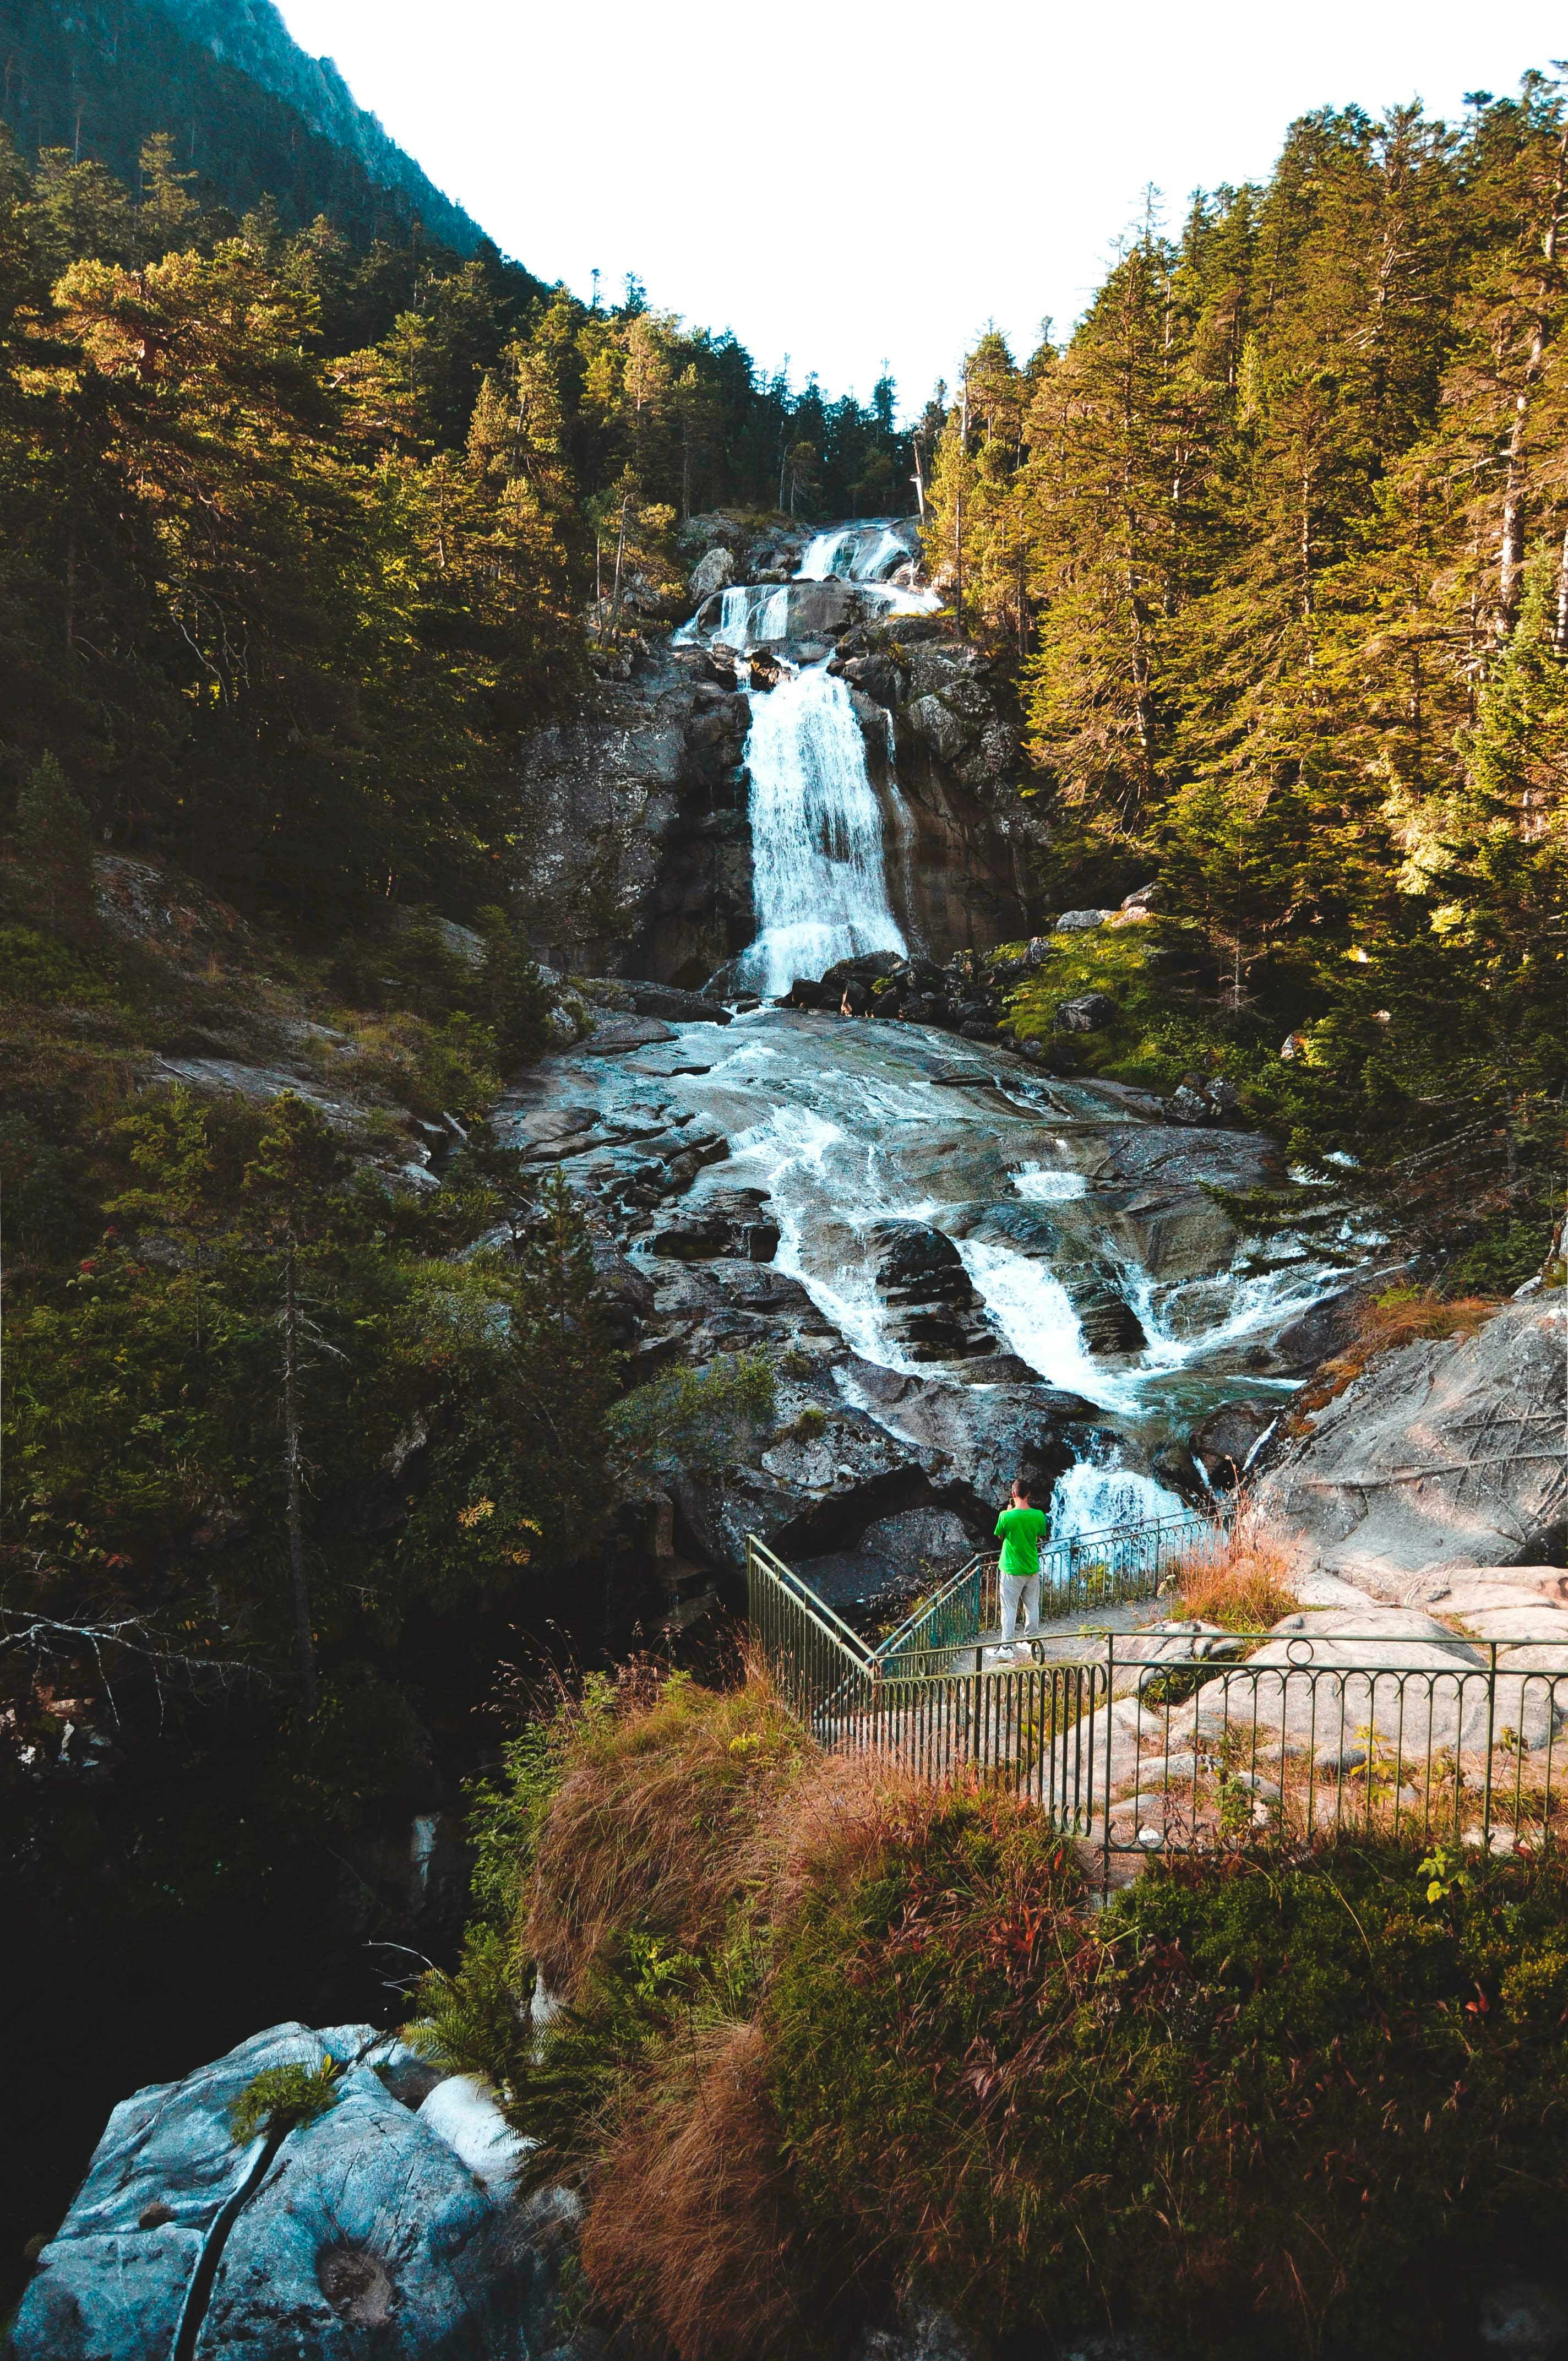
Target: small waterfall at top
{"points": [[819, 871], [820, 881]]}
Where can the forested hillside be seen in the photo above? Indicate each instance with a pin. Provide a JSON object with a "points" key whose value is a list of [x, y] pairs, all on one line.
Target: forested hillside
{"points": [[298, 533], [1276, 543], [246, 108], [303, 521]]}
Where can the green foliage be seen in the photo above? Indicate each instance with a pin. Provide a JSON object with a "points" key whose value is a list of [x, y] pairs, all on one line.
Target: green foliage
{"points": [[54, 849], [284, 2097], [515, 997], [474, 2020], [41, 969], [281, 2098], [297, 531], [1285, 624], [39, 1216], [695, 1419]]}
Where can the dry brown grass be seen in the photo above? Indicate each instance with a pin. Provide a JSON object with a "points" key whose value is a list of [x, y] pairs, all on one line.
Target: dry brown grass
{"points": [[693, 2229], [655, 1824], [1248, 1585], [833, 1823], [1403, 1315]]}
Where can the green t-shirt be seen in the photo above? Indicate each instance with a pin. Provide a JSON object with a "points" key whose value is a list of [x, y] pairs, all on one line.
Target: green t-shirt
{"points": [[1021, 1531]]}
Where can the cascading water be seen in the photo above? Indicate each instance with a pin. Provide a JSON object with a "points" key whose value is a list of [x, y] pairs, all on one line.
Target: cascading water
{"points": [[820, 879], [819, 866], [847, 1142]]}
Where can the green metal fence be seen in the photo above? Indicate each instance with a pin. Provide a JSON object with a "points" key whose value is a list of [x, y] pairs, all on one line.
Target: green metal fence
{"points": [[1119, 1565], [1166, 1740]]}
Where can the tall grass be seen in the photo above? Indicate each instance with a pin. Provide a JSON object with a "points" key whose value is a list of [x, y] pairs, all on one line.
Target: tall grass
{"points": [[1248, 1584]]}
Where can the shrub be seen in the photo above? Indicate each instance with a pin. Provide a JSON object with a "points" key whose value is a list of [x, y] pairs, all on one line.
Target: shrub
{"points": [[41, 970], [1241, 2107], [654, 1824], [281, 2098], [694, 1419], [1247, 1586], [833, 2036]]}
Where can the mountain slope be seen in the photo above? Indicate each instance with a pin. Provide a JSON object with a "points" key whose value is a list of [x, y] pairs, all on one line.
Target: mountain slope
{"points": [[249, 111]]}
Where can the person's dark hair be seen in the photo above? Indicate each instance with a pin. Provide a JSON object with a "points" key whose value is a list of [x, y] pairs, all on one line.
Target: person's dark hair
{"points": [[1023, 1487]]}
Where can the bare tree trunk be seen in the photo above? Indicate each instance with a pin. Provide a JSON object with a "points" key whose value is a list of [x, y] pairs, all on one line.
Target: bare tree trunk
{"points": [[292, 1460]]}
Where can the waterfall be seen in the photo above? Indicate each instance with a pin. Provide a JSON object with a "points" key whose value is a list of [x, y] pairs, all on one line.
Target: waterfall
{"points": [[856, 552], [821, 884]]}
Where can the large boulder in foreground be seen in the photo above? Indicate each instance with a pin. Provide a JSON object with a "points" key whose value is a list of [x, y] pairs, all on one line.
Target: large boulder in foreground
{"points": [[386, 2225], [1443, 1453]]}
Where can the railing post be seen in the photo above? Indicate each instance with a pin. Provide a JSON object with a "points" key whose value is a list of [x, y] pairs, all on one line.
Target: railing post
{"points": [[1105, 1791], [1491, 1720]]}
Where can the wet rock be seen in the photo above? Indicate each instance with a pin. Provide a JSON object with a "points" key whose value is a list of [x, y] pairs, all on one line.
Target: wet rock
{"points": [[989, 1437], [1185, 1105], [727, 1223], [919, 1273], [1325, 1329], [599, 796], [367, 2222], [613, 1034], [675, 1006], [1223, 1441], [716, 571], [1107, 1319], [938, 727]]}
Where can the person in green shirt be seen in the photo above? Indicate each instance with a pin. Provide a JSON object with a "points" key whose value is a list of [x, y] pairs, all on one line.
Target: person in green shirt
{"points": [[1021, 1528]]}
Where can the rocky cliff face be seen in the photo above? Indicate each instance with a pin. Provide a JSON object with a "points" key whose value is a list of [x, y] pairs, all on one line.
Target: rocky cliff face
{"points": [[936, 721], [1450, 1452], [636, 854]]}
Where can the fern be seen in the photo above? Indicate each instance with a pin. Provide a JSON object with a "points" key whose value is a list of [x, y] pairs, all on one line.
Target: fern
{"points": [[281, 2098], [474, 2020]]}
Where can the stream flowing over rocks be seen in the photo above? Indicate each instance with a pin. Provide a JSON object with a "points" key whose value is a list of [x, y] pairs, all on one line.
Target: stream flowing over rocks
{"points": [[973, 1269]]}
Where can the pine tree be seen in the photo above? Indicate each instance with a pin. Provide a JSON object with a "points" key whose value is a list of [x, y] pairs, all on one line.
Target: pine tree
{"points": [[54, 849]]}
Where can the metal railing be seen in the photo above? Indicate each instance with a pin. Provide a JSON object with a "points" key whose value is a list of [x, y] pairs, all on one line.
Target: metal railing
{"points": [[1167, 1741], [1119, 1565]]}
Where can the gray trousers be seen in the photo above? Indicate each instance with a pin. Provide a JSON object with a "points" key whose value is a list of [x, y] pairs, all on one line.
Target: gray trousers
{"points": [[1020, 1591]]}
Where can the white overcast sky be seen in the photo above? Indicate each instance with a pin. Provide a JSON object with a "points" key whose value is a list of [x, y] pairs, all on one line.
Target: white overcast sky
{"points": [[857, 183]]}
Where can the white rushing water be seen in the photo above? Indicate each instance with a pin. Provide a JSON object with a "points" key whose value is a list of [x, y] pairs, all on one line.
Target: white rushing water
{"points": [[820, 881], [1095, 1494], [856, 552]]}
